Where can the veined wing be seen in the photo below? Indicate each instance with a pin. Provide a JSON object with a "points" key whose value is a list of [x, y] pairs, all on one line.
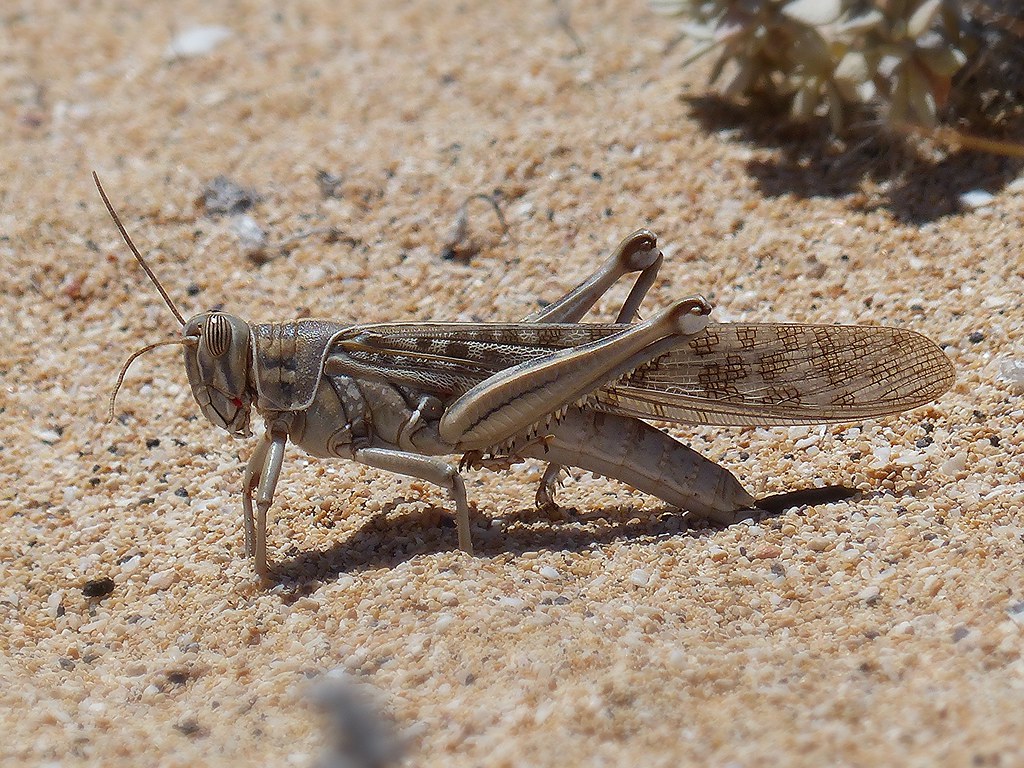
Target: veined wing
{"points": [[764, 374], [449, 359]]}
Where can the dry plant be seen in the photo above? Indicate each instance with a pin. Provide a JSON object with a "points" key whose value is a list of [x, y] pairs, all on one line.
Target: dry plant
{"points": [[921, 64]]}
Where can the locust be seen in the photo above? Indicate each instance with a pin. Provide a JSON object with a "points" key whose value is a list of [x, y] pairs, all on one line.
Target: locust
{"points": [[405, 396]]}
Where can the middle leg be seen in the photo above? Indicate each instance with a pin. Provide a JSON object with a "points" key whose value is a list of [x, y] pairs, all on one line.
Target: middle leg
{"points": [[433, 470]]}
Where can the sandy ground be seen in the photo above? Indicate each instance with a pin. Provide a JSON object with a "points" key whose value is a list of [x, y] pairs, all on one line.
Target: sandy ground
{"points": [[883, 630]]}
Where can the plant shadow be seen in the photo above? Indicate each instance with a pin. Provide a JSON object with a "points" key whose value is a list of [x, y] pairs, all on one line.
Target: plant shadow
{"points": [[874, 169]]}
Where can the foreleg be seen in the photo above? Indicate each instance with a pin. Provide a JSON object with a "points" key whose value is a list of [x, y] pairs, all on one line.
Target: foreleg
{"points": [[261, 475], [250, 479], [430, 469], [545, 498]]}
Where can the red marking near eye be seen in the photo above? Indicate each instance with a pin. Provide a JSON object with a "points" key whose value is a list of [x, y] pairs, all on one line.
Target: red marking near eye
{"points": [[236, 402]]}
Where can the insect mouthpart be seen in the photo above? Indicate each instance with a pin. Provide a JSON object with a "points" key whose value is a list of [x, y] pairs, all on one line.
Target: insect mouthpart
{"points": [[226, 411], [229, 412]]}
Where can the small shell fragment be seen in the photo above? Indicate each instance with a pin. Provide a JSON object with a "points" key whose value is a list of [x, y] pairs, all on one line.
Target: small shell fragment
{"points": [[1011, 375], [161, 579], [640, 577], [197, 41]]}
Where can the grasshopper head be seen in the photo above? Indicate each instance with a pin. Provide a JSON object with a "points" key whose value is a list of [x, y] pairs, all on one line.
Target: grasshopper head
{"points": [[217, 354]]}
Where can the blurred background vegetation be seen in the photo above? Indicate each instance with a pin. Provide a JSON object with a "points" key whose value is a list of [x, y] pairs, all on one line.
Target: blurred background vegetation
{"points": [[948, 69]]}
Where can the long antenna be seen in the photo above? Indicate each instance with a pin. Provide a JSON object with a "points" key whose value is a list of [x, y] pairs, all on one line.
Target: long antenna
{"points": [[135, 251], [124, 368]]}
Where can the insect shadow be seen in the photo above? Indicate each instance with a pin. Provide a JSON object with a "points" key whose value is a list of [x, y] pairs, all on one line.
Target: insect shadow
{"points": [[373, 545]]}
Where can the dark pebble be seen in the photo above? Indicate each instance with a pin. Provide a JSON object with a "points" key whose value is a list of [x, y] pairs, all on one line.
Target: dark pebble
{"points": [[98, 587]]}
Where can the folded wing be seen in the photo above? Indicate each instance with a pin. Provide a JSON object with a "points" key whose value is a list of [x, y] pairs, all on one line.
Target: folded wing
{"points": [[749, 374], [449, 359]]}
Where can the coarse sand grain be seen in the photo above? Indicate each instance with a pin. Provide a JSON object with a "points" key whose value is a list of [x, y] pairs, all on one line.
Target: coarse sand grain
{"points": [[882, 630]]}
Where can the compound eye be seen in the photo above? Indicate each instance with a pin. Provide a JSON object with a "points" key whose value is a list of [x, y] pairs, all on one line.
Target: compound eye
{"points": [[218, 334]]}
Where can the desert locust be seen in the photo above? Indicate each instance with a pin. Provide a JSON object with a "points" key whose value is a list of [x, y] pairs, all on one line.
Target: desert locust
{"points": [[401, 396]]}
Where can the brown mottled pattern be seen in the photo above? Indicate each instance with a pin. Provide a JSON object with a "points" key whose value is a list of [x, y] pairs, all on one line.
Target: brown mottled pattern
{"points": [[762, 374]]}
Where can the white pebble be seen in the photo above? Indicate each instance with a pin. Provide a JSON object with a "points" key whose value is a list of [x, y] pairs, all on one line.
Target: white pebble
{"points": [[640, 577], [97, 625], [910, 459], [345, 582], [668, 7], [47, 435], [976, 198], [849, 555], [868, 594], [955, 464], [249, 232], [549, 573], [1011, 375], [903, 628], [544, 711], [162, 579], [150, 692], [443, 621], [197, 41], [524, 210]]}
